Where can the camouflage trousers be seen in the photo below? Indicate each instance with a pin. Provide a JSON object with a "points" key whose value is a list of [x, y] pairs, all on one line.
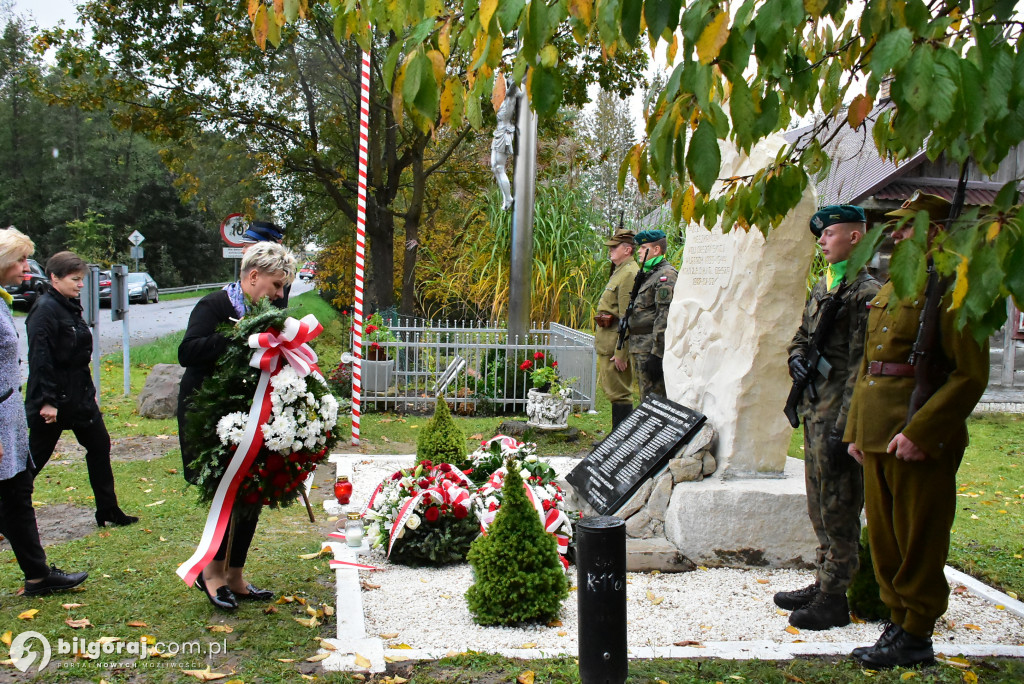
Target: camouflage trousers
{"points": [[835, 497], [647, 385]]}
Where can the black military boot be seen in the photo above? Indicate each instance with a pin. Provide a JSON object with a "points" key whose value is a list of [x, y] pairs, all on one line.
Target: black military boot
{"points": [[824, 612], [792, 600], [620, 411], [889, 632], [906, 650]]}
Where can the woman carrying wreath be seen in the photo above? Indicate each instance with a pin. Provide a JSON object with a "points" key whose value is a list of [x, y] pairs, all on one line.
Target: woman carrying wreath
{"points": [[266, 269], [17, 516], [60, 394]]}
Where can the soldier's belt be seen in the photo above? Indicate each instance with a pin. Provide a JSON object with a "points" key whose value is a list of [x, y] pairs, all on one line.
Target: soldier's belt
{"points": [[899, 370], [641, 331], [606, 320]]}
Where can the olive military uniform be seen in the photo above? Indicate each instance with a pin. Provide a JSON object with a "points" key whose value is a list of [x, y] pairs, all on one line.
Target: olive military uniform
{"points": [[910, 504], [835, 490], [617, 385], [647, 326]]}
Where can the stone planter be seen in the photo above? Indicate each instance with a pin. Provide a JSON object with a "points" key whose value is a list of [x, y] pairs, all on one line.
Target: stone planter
{"points": [[377, 375], [548, 411]]}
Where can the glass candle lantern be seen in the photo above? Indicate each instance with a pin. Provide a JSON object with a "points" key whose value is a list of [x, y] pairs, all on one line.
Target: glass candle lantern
{"points": [[354, 530], [343, 490]]}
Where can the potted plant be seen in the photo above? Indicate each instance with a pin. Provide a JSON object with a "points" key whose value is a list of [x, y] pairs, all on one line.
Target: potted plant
{"points": [[377, 367], [549, 403]]}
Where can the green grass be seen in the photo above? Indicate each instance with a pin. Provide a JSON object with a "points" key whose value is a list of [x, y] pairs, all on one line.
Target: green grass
{"points": [[187, 295]]}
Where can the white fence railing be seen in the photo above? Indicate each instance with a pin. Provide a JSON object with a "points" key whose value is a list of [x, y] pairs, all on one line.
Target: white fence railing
{"points": [[191, 288]]}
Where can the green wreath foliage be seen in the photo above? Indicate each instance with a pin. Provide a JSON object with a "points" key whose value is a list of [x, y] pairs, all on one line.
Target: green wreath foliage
{"points": [[274, 479], [441, 441], [518, 574], [432, 544]]}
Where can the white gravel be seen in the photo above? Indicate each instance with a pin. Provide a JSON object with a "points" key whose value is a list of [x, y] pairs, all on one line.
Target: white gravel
{"points": [[424, 608]]}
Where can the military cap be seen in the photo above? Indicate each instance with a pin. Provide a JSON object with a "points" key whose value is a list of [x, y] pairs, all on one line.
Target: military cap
{"points": [[620, 237], [263, 231], [836, 213], [937, 207], [646, 236]]}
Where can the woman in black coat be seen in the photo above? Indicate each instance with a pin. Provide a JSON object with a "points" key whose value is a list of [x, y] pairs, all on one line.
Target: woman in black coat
{"points": [[266, 269], [60, 394]]}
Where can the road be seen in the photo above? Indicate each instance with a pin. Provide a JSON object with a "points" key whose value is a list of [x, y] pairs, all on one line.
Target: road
{"points": [[146, 322]]}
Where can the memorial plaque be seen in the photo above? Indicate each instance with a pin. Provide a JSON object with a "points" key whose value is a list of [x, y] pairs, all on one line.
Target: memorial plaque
{"points": [[636, 449]]}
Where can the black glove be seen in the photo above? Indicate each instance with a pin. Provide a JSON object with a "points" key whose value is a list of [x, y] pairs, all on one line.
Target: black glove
{"points": [[653, 368], [799, 368]]}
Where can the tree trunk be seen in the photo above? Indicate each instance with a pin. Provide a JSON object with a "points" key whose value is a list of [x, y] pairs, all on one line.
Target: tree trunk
{"points": [[412, 235], [379, 292]]}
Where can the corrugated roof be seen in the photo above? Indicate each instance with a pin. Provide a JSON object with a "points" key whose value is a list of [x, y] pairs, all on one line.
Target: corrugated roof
{"points": [[902, 191]]}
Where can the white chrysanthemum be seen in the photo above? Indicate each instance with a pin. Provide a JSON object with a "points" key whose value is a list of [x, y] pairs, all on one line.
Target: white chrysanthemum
{"points": [[525, 474], [231, 428], [532, 458]]}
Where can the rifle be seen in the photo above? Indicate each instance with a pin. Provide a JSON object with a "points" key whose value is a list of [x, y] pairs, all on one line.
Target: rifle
{"points": [[926, 356], [818, 363], [638, 281]]}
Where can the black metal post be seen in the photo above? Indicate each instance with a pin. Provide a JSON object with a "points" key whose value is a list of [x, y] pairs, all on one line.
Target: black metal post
{"points": [[601, 591]]}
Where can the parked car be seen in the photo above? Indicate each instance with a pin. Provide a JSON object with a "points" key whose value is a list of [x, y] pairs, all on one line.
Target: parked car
{"points": [[104, 288], [308, 271], [32, 285], [142, 288]]}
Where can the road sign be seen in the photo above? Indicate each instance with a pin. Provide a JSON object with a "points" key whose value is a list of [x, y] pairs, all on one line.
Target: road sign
{"points": [[232, 252], [138, 253], [232, 229], [136, 238]]}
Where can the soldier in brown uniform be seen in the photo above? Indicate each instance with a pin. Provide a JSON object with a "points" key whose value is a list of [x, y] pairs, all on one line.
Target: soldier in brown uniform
{"points": [[650, 312], [835, 490], [613, 364], [910, 466]]}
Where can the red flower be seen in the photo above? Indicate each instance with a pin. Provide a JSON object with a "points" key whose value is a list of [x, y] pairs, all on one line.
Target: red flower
{"points": [[493, 507], [432, 514], [397, 476], [295, 457], [554, 364], [275, 462], [280, 480], [445, 468], [547, 505], [374, 345], [460, 511], [370, 328], [424, 483], [426, 463], [526, 365], [252, 498], [538, 355]]}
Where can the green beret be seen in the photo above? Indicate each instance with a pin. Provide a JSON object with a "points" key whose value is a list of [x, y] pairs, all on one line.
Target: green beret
{"points": [[836, 213], [646, 236]]}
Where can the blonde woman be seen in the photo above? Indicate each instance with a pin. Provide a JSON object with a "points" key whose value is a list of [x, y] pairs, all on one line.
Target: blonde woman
{"points": [[17, 516]]}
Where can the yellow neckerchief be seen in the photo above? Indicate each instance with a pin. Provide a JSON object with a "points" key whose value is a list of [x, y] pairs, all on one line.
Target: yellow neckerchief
{"points": [[7, 297], [835, 273]]}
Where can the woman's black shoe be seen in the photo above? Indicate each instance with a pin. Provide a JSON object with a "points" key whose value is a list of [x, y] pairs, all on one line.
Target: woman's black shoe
{"points": [[115, 516], [225, 599], [254, 594]]}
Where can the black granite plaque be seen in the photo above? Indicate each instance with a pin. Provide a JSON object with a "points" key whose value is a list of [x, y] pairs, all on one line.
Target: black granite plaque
{"points": [[636, 449]]}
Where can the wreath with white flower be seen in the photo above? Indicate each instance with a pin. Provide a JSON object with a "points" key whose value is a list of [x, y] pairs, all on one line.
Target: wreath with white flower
{"points": [[494, 452]]}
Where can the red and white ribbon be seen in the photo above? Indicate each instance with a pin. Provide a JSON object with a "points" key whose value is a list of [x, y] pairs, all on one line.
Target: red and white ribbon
{"points": [[357, 294], [291, 345]]}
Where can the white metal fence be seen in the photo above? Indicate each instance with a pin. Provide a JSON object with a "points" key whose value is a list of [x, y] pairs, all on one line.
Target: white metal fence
{"points": [[475, 365]]}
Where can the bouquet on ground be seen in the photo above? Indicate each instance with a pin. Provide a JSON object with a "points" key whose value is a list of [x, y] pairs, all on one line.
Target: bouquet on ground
{"points": [[421, 515], [289, 433], [545, 376], [546, 496]]}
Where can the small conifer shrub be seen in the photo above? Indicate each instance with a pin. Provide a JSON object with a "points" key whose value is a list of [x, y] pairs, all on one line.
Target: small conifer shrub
{"points": [[441, 440], [518, 575], [863, 592]]}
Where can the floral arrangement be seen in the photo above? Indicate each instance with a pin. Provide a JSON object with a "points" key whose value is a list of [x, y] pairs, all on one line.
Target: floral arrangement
{"points": [[494, 452], [297, 434], [545, 376], [421, 515], [374, 333]]}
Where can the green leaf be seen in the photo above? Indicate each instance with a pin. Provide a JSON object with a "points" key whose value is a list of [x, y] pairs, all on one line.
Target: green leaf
{"points": [[890, 51], [741, 106], [473, 112], [420, 90], [662, 143], [661, 15], [509, 12], [1015, 271], [390, 62], [704, 159], [608, 12], [632, 10], [915, 80], [865, 249], [1007, 197], [545, 90], [907, 269], [419, 34]]}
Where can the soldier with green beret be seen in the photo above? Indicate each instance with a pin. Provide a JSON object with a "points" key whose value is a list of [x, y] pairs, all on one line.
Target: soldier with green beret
{"points": [[650, 312], [835, 490], [613, 364], [910, 458]]}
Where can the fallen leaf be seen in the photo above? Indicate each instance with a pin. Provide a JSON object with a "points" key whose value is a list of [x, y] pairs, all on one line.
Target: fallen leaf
{"points": [[562, 632], [270, 610], [301, 601], [792, 630], [955, 661], [318, 657], [525, 677], [7, 637], [779, 611], [29, 614], [384, 439], [162, 539], [907, 675], [970, 678], [359, 677], [528, 644], [389, 635], [311, 622], [960, 589], [655, 600], [226, 629], [368, 586], [286, 599], [312, 611], [327, 645], [976, 628], [286, 660], [1012, 594], [763, 581], [856, 620], [405, 647], [792, 678], [78, 624], [326, 551], [108, 640], [205, 675], [157, 503], [687, 642], [328, 610], [71, 606], [362, 661]]}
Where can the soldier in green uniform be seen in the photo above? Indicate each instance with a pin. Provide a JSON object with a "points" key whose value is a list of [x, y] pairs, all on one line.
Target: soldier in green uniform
{"points": [[650, 312], [910, 466], [613, 364], [835, 490]]}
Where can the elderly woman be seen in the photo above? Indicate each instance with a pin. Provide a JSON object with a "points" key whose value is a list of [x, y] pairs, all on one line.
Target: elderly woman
{"points": [[17, 516], [267, 268], [60, 394]]}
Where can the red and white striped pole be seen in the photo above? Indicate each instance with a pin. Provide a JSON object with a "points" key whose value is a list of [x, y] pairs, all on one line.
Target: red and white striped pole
{"points": [[357, 309]]}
